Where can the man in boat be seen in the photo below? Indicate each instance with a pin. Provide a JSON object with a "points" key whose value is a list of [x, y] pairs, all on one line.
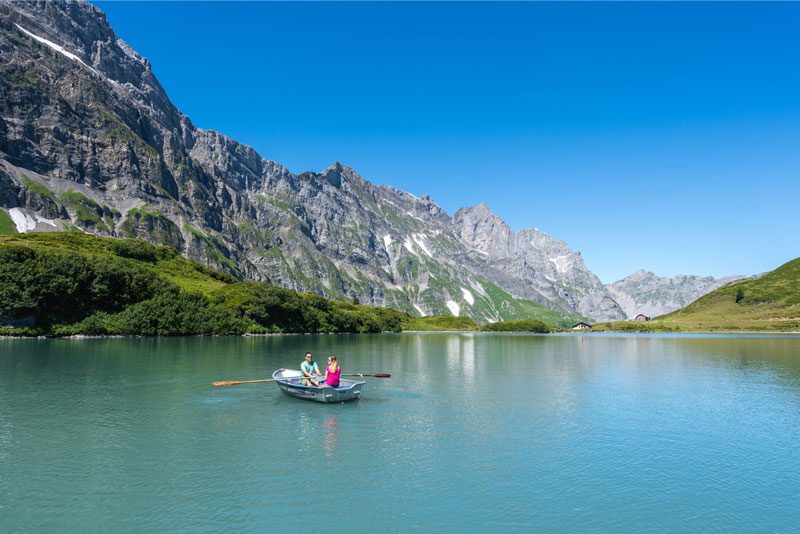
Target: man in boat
{"points": [[310, 369]]}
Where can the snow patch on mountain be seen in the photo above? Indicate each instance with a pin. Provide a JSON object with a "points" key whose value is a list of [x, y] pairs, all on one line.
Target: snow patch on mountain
{"points": [[419, 239], [57, 48], [454, 308], [468, 296], [26, 221], [561, 263], [22, 220], [474, 284], [409, 246]]}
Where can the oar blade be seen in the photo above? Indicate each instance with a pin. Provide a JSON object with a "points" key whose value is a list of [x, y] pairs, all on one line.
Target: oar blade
{"points": [[237, 382], [225, 383]]}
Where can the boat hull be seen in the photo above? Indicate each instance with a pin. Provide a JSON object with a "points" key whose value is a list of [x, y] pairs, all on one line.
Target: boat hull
{"points": [[291, 384]]}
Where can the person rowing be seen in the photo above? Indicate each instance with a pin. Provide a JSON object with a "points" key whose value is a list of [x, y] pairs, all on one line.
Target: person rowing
{"points": [[310, 371]]}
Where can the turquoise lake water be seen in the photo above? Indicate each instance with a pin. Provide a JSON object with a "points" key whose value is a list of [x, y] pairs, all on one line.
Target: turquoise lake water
{"points": [[473, 431]]}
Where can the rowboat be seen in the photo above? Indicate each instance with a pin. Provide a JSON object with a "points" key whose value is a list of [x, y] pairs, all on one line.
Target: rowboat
{"points": [[291, 382]]}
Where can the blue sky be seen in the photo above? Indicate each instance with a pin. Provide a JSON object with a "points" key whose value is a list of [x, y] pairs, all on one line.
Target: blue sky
{"points": [[645, 135]]}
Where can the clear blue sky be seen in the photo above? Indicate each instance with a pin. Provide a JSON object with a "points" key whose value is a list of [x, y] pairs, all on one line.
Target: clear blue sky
{"points": [[655, 136]]}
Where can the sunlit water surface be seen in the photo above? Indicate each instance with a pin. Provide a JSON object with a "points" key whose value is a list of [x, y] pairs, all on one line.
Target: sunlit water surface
{"points": [[473, 431]]}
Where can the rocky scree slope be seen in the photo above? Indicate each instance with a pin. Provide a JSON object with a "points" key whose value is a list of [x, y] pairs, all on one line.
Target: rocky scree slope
{"points": [[89, 140]]}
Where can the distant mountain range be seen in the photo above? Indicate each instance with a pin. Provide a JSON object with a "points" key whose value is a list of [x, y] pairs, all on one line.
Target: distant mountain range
{"points": [[90, 141], [645, 293]]}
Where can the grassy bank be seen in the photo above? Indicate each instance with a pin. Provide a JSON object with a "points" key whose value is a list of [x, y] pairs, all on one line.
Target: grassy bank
{"points": [[71, 283]]}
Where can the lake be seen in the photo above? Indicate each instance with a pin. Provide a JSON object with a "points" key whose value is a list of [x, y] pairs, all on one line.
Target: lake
{"points": [[473, 431]]}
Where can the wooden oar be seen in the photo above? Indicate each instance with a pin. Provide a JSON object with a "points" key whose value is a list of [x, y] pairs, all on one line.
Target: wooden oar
{"points": [[237, 382]]}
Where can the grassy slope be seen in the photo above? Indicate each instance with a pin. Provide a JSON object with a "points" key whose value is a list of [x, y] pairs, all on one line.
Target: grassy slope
{"points": [[186, 274], [512, 308], [770, 302], [6, 224], [440, 322]]}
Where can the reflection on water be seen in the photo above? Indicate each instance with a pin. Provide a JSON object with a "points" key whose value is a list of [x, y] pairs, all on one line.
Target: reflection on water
{"points": [[331, 435], [557, 432], [461, 355]]}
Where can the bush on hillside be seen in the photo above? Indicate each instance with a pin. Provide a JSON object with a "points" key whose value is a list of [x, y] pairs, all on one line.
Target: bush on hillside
{"points": [[88, 285], [177, 313], [521, 325], [57, 287], [134, 249]]}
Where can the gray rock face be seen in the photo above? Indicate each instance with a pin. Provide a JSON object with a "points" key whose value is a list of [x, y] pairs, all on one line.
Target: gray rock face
{"points": [[644, 292], [549, 265], [89, 138]]}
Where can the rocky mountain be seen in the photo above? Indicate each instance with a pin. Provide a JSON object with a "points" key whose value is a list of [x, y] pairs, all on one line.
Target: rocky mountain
{"points": [[550, 265], [644, 292], [89, 141]]}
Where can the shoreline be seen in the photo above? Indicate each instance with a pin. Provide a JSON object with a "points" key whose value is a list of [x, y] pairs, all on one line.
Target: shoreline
{"points": [[680, 332]]}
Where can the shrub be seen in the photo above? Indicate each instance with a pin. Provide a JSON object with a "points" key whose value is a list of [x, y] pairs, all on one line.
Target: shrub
{"points": [[177, 313], [134, 249], [521, 325]]}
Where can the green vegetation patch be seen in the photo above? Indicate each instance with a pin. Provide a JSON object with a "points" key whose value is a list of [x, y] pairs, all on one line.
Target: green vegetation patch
{"points": [[770, 302], [635, 326], [22, 78], [35, 187], [7, 225], [144, 222], [87, 211], [215, 249], [274, 201], [82, 284], [521, 325], [511, 308], [116, 132], [440, 322]]}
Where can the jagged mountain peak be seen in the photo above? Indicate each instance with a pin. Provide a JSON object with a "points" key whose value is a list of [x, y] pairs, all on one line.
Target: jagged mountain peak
{"points": [[480, 211], [641, 274], [338, 173], [535, 256], [90, 139]]}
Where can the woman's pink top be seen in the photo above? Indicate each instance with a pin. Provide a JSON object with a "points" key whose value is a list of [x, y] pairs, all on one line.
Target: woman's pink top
{"points": [[333, 377]]}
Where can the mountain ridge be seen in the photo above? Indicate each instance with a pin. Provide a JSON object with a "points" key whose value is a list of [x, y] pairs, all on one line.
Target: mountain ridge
{"points": [[644, 292], [90, 140]]}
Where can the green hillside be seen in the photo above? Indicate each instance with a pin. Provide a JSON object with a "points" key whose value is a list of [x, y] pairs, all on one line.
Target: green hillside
{"points": [[68, 283], [770, 303]]}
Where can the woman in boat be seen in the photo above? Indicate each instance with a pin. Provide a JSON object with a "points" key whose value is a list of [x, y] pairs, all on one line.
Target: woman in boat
{"points": [[332, 372]]}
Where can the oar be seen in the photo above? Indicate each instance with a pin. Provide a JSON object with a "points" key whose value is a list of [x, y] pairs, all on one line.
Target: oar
{"points": [[237, 382]]}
